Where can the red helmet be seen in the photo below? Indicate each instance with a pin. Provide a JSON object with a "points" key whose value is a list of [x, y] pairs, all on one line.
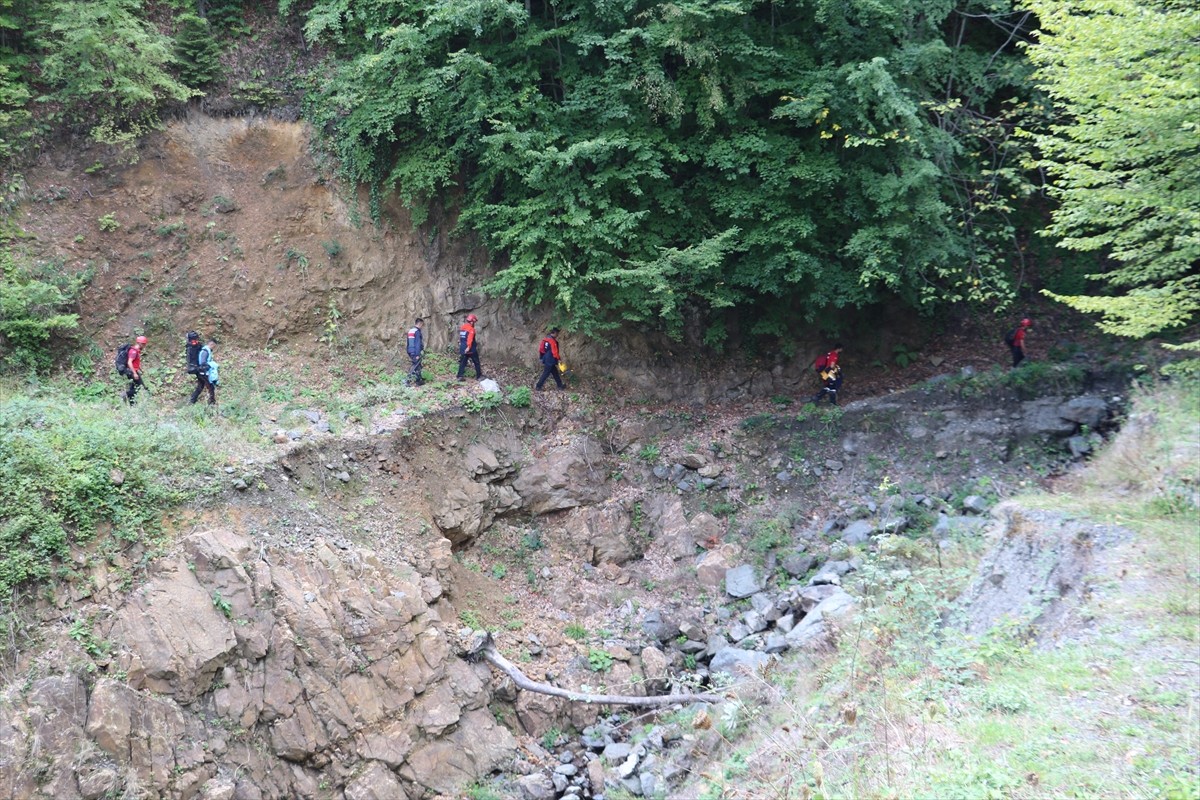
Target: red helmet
{"points": [[472, 318], [1025, 323], [142, 340]]}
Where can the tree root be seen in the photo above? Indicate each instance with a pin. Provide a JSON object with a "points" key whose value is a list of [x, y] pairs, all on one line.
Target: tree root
{"points": [[483, 647]]}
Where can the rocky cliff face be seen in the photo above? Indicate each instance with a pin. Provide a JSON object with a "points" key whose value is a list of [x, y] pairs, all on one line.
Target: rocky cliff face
{"points": [[300, 641], [243, 672]]}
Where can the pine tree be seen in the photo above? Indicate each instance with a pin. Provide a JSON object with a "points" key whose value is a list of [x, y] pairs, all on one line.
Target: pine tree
{"points": [[197, 51]]}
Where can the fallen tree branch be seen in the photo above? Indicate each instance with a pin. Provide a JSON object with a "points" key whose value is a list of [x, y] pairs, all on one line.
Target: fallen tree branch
{"points": [[483, 647]]}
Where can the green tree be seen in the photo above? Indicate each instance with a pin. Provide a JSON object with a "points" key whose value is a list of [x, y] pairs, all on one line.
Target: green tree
{"points": [[32, 309], [108, 67], [197, 52], [684, 162], [16, 123], [1124, 76]]}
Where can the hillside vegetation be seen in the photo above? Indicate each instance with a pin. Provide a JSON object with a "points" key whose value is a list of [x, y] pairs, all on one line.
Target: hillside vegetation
{"points": [[728, 165]]}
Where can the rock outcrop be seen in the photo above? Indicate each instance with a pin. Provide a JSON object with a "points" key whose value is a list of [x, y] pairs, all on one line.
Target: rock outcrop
{"points": [[249, 674]]}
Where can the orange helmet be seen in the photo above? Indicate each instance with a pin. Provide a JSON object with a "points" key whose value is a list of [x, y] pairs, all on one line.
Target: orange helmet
{"points": [[142, 340], [472, 318], [1025, 323]]}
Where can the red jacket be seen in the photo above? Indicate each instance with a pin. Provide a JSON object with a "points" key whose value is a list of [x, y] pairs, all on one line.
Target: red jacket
{"points": [[1019, 338], [466, 338], [134, 360], [827, 361], [551, 344]]}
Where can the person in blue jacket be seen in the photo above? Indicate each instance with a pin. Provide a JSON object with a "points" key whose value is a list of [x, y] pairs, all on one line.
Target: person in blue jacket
{"points": [[206, 373]]}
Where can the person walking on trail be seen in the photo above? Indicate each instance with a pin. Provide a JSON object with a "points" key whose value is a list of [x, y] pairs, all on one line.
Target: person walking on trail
{"points": [[416, 350], [194, 346], [548, 351], [468, 348], [133, 369], [206, 374], [1015, 339], [830, 373]]}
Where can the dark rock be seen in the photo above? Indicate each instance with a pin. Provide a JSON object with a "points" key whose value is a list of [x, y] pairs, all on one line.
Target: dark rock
{"points": [[798, 564]]}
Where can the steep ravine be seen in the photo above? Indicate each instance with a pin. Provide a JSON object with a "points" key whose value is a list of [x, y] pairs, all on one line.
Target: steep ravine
{"points": [[302, 640]]}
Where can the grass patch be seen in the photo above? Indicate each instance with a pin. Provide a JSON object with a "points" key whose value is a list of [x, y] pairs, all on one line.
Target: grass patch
{"points": [[71, 468]]}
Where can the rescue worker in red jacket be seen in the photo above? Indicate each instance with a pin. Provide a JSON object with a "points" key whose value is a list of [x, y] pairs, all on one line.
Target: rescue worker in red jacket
{"points": [[133, 365], [830, 374], [468, 348], [1016, 341], [548, 352]]}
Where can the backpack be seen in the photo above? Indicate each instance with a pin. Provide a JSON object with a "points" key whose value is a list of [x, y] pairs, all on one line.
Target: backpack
{"points": [[193, 353], [1010, 338], [820, 363], [121, 362]]}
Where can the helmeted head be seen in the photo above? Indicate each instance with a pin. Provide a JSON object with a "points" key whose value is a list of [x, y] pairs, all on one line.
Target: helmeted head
{"points": [[1026, 323], [554, 331], [142, 340], [471, 318]]}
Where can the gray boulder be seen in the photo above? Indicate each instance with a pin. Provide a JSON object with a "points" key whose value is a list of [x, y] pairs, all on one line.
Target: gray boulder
{"points": [[743, 581], [857, 532], [737, 662]]}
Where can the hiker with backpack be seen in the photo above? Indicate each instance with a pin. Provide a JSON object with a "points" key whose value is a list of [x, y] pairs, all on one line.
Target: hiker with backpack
{"points": [[468, 348], [205, 371], [192, 351], [1015, 339], [548, 353], [129, 364], [830, 373], [416, 350]]}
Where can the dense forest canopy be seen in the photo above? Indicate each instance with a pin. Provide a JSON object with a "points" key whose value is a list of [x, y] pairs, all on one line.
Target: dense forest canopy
{"points": [[716, 162], [636, 160]]}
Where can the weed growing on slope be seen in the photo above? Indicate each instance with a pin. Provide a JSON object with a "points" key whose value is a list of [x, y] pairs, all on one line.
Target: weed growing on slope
{"points": [[69, 467]]}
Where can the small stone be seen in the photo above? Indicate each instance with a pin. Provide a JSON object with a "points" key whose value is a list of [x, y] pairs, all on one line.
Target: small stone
{"points": [[343, 476], [240, 485], [116, 477]]}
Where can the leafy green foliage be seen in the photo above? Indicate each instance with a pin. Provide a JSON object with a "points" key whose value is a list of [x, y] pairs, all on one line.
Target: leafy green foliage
{"points": [[1125, 78], [107, 66], [57, 487], [599, 660], [33, 308], [197, 52], [669, 163]]}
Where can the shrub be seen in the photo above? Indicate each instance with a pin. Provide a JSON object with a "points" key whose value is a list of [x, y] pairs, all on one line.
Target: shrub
{"points": [[521, 397], [32, 308]]}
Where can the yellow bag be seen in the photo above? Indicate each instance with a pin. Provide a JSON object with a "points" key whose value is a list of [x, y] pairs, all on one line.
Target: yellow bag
{"points": [[562, 367]]}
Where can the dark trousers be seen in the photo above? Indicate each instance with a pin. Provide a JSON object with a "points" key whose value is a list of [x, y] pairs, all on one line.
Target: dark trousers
{"points": [[547, 371], [830, 390], [202, 384], [1018, 354], [473, 358], [414, 374], [131, 392]]}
